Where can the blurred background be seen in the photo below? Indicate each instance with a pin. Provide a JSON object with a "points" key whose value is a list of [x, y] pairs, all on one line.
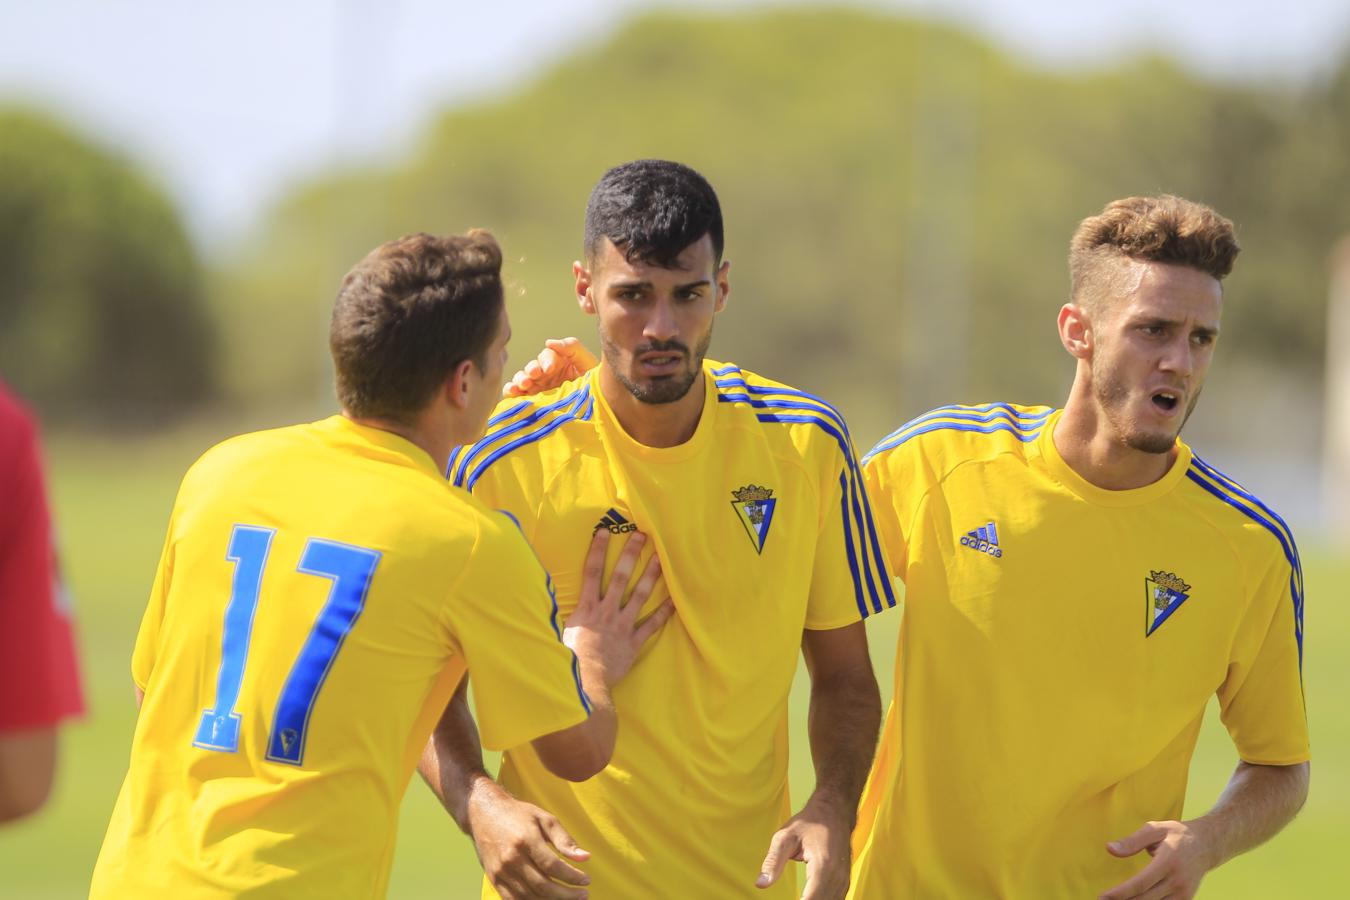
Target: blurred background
{"points": [[182, 188]]}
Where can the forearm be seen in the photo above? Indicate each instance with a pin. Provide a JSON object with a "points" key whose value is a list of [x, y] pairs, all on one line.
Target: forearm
{"points": [[843, 723], [452, 761], [1257, 803]]}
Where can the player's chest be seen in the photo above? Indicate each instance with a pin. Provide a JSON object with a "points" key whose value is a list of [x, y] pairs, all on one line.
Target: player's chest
{"points": [[1148, 590], [735, 535]]}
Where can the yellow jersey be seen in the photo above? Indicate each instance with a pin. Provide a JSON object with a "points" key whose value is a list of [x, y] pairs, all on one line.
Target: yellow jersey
{"points": [[320, 594], [764, 530], [1058, 648]]}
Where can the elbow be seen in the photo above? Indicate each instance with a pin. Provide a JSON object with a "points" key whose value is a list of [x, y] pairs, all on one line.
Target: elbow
{"points": [[580, 765]]}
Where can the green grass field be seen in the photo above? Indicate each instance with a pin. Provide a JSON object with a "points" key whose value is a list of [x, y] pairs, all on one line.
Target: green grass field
{"points": [[112, 502]]}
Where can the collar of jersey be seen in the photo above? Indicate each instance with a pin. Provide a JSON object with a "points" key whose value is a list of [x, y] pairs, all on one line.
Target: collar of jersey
{"points": [[616, 437], [386, 440], [1065, 475]]}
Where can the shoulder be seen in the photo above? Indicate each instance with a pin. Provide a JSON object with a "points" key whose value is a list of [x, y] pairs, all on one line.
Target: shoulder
{"points": [[806, 419], [944, 438], [246, 450], [1249, 523], [519, 424]]}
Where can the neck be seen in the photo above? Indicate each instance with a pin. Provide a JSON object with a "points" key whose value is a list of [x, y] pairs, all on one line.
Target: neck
{"points": [[1084, 439], [436, 441], [654, 424]]}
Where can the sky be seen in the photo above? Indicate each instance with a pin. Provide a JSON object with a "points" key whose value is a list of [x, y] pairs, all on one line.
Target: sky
{"points": [[229, 104]]}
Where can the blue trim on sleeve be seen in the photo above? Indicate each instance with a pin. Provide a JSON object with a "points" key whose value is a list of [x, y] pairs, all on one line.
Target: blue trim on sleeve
{"points": [[1200, 474], [580, 405], [989, 419], [570, 403]]}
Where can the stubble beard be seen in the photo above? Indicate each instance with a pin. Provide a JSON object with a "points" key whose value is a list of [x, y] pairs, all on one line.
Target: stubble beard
{"points": [[662, 390], [1113, 398]]}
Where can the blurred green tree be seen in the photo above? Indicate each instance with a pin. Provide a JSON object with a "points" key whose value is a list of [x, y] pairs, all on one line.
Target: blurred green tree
{"points": [[102, 311], [899, 199]]}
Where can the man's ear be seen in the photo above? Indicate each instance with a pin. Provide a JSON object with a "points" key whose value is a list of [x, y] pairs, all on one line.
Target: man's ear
{"points": [[585, 300], [1075, 331], [460, 383], [723, 285]]}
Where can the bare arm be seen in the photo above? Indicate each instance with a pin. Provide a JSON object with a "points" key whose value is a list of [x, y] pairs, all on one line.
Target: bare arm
{"points": [[1256, 804], [843, 721], [521, 847], [27, 767], [518, 843]]}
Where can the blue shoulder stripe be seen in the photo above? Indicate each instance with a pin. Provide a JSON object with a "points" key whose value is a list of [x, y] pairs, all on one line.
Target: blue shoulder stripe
{"points": [[579, 410], [461, 461], [1249, 497], [873, 567], [1025, 430], [507, 413], [1255, 510]]}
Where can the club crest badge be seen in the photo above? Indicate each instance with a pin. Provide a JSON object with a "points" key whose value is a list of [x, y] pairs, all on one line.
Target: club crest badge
{"points": [[1165, 592], [754, 506]]}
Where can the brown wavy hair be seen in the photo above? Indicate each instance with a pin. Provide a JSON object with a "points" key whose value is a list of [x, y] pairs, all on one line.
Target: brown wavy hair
{"points": [[1165, 229], [408, 314]]}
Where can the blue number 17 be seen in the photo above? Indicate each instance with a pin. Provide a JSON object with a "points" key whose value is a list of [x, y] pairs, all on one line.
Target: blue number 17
{"points": [[350, 569]]}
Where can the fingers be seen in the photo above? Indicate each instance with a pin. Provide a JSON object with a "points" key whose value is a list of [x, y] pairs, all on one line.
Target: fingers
{"points": [[551, 866], [653, 623], [594, 568], [530, 884], [1148, 878], [784, 846], [574, 353], [642, 591], [1146, 836], [562, 841], [623, 569]]}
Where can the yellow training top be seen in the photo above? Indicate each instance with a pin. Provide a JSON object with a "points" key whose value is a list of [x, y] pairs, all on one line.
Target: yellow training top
{"points": [[320, 593], [763, 530], [1059, 645]]}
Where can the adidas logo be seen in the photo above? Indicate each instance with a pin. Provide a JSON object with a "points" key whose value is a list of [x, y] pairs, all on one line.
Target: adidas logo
{"points": [[983, 540], [615, 522]]}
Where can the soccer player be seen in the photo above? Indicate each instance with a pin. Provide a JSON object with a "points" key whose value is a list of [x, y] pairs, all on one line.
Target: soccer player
{"points": [[39, 677], [321, 593], [1078, 584], [751, 494], [1045, 707]]}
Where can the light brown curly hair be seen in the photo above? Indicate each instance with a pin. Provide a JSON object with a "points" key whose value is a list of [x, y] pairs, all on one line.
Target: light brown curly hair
{"points": [[1165, 229]]}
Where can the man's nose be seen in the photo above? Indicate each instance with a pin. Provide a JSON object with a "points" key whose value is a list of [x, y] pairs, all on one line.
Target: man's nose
{"points": [[1179, 357], [661, 325]]}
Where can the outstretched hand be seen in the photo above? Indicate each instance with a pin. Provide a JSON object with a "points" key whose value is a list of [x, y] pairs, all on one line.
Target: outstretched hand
{"points": [[604, 631], [560, 361]]}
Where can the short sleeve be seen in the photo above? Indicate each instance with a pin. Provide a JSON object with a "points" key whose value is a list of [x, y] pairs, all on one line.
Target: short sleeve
{"points": [[896, 483], [147, 638], [849, 578], [1261, 699], [525, 681], [39, 676]]}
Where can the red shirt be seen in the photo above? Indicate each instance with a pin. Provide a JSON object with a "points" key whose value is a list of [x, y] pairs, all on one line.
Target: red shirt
{"points": [[39, 678]]}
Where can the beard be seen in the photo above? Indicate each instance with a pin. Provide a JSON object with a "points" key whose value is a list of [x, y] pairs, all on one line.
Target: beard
{"points": [[665, 389], [1113, 397]]}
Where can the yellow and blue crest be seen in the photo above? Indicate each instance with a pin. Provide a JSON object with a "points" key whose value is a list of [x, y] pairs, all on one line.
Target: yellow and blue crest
{"points": [[754, 506], [1164, 593]]}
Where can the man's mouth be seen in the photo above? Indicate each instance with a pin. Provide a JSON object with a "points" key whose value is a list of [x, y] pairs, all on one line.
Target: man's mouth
{"points": [[1166, 402], [660, 362]]}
